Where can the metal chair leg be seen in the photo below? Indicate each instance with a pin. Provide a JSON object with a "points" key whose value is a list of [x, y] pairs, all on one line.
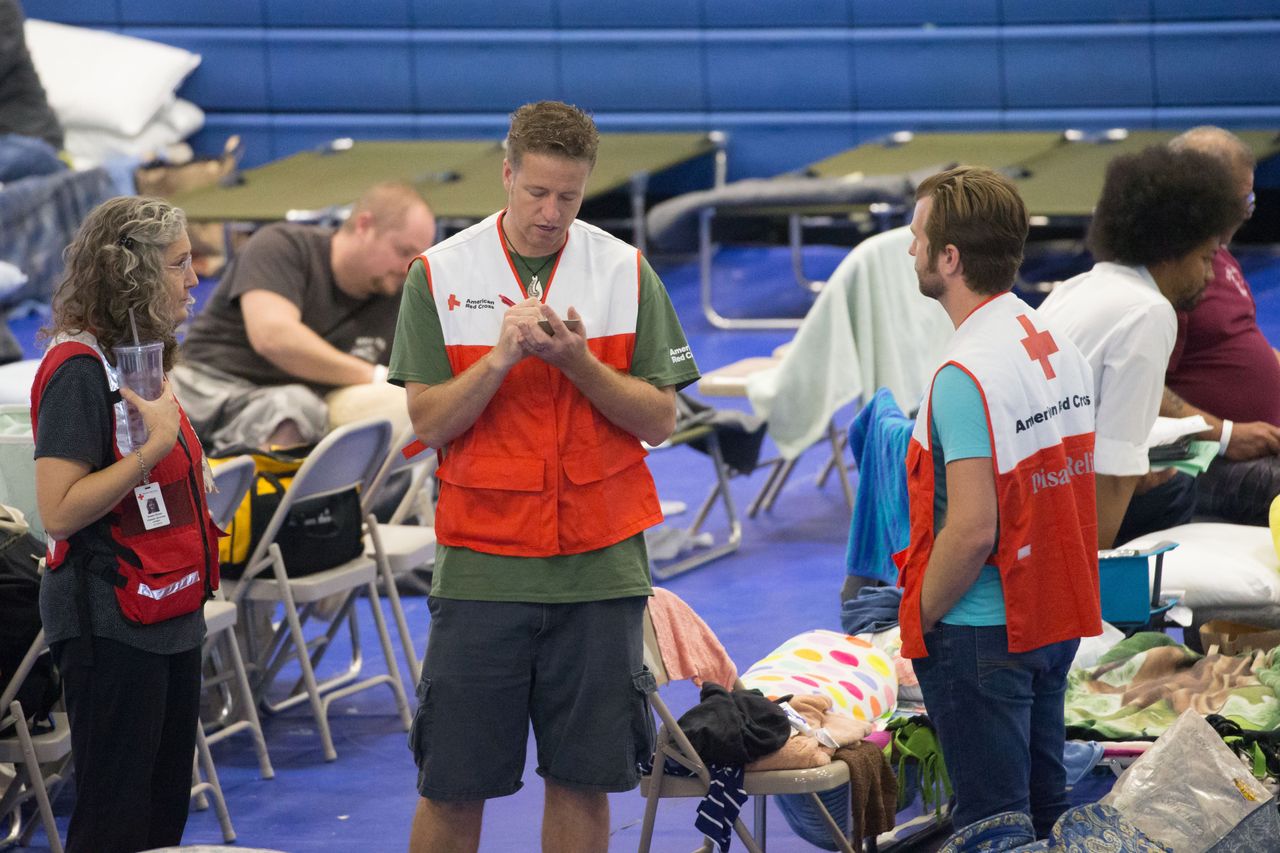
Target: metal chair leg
{"points": [[35, 776], [209, 785]]}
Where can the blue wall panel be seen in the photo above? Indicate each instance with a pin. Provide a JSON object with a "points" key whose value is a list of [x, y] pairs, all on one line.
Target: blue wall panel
{"points": [[1239, 118], [665, 14], [232, 74], [1075, 11], [793, 80], [927, 69], [1249, 72], [466, 126], [768, 143], [1089, 120], [225, 13], [801, 70], [1218, 10], [633, 71], [338, 13], [880, 123], [326, 70], [897, 13], [453, 73], [771, 13], [1086, 66], [292, 133], [82, 13], [486, 14]]}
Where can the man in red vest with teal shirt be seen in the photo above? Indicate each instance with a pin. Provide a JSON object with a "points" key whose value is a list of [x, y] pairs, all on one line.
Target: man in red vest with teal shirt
{"points": [[1000, 579]]}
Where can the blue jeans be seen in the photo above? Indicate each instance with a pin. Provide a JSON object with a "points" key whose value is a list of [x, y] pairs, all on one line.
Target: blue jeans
{"points": [[999, 720]]}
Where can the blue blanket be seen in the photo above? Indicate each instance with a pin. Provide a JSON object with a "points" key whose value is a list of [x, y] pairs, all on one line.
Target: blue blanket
{"points": [[878, 439], [38, 217]]}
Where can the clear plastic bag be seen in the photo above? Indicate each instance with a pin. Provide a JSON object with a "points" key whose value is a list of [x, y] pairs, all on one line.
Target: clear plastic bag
{"points": [[1189, 790]]}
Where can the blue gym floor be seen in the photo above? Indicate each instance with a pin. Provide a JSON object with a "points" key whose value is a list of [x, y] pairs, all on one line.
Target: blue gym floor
{"points": [[785, 579]]}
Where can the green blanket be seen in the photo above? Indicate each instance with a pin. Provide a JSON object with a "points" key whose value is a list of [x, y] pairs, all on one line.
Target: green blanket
{"points": [[1140, 686]]}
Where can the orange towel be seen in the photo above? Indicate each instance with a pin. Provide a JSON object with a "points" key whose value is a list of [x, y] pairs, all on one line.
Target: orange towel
{"points": [[689, 648]]}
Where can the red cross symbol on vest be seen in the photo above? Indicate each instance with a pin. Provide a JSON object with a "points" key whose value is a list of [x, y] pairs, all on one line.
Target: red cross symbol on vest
{"points": [[1039, 345], [453, 302]]}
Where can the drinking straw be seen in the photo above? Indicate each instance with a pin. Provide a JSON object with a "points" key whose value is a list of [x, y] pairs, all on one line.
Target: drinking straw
{"points": [[133, 324]]}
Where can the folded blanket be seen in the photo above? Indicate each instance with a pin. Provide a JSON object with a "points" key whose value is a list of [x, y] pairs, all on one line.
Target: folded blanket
{"points": [[803, 751], [873, 791], [690, 649]]}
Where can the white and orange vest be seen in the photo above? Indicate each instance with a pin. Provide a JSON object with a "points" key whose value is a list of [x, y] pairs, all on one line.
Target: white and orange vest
{"points": [[1037, 390], [541, 472]]}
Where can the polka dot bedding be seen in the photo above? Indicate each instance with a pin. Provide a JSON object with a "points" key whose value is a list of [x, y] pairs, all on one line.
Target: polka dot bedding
{"points": [[858, 677]]}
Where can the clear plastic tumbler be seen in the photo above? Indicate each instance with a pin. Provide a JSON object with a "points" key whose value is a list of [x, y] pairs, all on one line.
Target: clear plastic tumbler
{"points": [[141, 370]]}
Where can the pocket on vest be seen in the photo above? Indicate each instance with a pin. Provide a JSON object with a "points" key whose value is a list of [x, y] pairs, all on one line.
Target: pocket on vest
{"points": [[496, 504], [613, 496], [592, 464]]}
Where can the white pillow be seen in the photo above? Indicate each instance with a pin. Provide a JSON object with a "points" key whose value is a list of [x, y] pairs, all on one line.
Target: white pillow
{"points": [[11, 278], [90, 146], [95, 78], [1219, 564]]}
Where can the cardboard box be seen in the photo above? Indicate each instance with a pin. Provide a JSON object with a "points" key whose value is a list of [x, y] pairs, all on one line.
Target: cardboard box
{"points": [[1235, 638]]}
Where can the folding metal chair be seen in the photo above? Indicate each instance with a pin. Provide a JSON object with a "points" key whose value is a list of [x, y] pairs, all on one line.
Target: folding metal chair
{"points": [[672, 743], [38, 758], [400, 548], [347, 458], [731, 381], [221, 646], [693, 427]]}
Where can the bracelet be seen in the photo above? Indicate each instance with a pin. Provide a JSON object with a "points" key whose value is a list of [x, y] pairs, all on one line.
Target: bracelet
{"points": [[379, 374], [1225, 438], [146, 473]]}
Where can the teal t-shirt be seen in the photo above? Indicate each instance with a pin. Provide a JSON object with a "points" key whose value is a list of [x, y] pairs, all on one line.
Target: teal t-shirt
{"points": [[661, 357], [960, 431]]}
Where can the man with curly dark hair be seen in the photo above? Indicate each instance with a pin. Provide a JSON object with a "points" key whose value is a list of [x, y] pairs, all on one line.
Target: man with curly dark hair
{"points": [[1155, 231]]}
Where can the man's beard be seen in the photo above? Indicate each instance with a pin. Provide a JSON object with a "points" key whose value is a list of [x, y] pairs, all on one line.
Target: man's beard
{"points": [[930, 282]]}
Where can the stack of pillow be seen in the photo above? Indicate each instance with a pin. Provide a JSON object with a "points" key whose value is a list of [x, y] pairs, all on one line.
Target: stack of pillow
{"points": [[115, 95]]}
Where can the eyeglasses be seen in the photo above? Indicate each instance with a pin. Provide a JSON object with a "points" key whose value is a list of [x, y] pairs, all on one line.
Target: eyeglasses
{"points": [[183, 266], [1250, 204]]}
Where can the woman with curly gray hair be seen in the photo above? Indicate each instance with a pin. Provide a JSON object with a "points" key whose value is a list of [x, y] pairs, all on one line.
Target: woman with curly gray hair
{"points": [[132, 554]]}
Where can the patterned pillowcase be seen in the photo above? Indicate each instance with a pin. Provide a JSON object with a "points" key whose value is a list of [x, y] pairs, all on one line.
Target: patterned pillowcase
{"points": [[856, 676]]}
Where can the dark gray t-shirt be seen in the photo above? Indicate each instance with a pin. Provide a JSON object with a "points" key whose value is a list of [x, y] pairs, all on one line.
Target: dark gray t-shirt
{"points": [[75, 423], [293, 261]]}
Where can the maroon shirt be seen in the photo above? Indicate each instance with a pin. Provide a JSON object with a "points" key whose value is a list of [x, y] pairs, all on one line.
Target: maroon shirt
{"points": [[1221, 361]]}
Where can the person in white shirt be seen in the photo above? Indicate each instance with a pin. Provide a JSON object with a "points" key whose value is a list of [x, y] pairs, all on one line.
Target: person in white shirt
{"points": [[1154, 234]]}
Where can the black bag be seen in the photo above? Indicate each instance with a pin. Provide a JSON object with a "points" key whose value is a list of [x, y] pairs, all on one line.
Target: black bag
{"points": [[319, 533], [20, 554], [734, 728]]}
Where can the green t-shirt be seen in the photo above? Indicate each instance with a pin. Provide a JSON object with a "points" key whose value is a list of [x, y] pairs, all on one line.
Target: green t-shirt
{"points": [[617, 571]]}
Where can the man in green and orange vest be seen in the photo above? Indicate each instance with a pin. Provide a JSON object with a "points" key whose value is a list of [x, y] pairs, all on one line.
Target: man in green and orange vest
{"points": [[538, 353]]}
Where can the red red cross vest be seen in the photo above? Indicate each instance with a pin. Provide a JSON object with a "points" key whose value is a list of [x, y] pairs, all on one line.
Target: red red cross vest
{"points": [[1037, 391], [541, 472], [157, 574]]}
